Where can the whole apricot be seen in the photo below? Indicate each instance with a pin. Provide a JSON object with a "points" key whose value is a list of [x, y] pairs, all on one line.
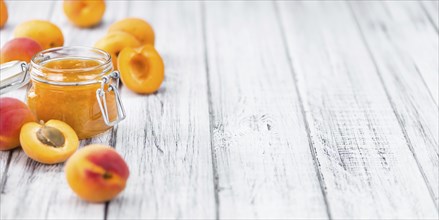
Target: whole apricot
{"points": [[137, 27], [3, 13], [84, 13], [13, 115], [19, 49], [49, 143], [47, 34], [96, 173], [141, 69], [114, 42]]}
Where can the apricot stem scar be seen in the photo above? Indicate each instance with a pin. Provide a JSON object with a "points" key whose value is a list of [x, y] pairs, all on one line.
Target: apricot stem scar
{"points": [[107, 175], [51, 136]]}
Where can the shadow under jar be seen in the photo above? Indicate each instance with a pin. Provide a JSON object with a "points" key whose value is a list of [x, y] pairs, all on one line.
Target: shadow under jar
{"points": [[76, 85]]}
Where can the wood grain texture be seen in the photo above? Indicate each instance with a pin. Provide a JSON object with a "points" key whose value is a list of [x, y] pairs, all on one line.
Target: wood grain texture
{"points": [[416, 39], [268, 110], [263, 160], [387, 39], [165, 138], [366, 164], [431, 7], [43, 187]]}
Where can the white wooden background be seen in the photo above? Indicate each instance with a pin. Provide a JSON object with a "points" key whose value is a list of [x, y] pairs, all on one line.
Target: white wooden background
{"points": [[268, 110]]}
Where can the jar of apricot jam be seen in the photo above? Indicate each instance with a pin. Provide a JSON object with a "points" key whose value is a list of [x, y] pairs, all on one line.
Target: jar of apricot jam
{"points": [[76, 85]]}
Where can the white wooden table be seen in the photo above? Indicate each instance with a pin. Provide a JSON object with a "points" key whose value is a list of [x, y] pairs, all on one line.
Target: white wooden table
{"points": [[268, 110]]}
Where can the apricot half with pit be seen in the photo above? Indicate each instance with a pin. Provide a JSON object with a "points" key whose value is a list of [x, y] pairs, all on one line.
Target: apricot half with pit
{"points": [[49, 143], [141, 69], [96, 173]]}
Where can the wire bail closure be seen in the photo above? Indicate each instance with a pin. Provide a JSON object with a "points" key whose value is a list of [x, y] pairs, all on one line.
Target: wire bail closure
{"points": [[11, 79], [102, 100]]}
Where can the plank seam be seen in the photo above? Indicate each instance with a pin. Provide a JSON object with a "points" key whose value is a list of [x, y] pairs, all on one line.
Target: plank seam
{"points": [[211, 114], [418, 71], [430, 19], [313, 152], [5, 172], [112, 142], [395, 112]]}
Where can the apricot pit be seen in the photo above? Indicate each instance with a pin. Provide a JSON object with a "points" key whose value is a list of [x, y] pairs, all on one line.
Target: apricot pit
{"points": [[51, 136]]}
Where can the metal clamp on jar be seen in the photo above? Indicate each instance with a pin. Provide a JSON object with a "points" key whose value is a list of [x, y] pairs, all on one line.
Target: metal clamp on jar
{"points": [[77, 85]]}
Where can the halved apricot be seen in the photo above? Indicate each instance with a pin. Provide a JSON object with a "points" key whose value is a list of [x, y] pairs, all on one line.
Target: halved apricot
{"points": [[141, 69], [53, 142], [114, 42]]}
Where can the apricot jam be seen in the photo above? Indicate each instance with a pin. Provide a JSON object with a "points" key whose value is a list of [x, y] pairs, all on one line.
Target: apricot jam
{"points": [[64, 87]]}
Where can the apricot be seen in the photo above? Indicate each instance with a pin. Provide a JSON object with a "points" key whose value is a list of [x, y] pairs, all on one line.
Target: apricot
{"points": [[141, 69], [49, 143], [47, 34], [13, 115], [96, 173], [84, 13], [19, 49], [114, 42], [137, 27], [3, 13]]}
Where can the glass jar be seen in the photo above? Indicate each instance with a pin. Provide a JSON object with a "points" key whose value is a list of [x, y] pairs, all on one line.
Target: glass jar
{"points": [[76, 85]]}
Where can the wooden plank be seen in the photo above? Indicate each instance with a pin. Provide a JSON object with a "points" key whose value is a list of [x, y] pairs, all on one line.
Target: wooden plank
{"points": [[264, 164], [366, 164], [411, 24], [417, 112], [165, 138], [431, 7], [43, 187]]}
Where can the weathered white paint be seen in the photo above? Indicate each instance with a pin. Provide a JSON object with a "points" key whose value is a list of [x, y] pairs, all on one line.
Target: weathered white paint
{"points": [[416, 109], [416, 38], [264, 163], [42, 188], [165, 138], [431, 7], [366, 164]]}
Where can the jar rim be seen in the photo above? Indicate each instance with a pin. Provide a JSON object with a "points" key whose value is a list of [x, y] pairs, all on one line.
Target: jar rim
{"points": [[38, 60]]}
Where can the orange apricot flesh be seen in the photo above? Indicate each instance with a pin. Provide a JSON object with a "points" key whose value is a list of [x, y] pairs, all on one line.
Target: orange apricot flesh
{"points": [[96, 173], [114, 42], [49, 143], [141, 69]]}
